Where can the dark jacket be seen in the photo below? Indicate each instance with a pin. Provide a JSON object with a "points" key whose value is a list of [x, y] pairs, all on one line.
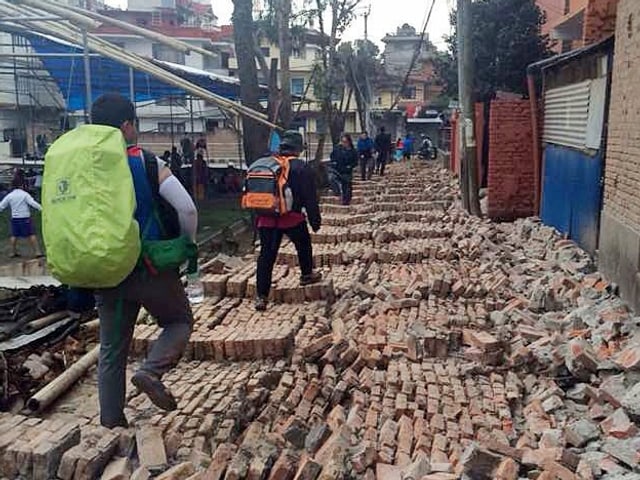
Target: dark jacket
{"points": [[383, 143], [344, 160], [365, 147], [305, 195]]}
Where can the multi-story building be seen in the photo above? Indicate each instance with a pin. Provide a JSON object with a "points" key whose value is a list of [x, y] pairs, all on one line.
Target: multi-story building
{"points": [[576, 26], [304, 59], [189, 21], [422, 88], [554, 11]]}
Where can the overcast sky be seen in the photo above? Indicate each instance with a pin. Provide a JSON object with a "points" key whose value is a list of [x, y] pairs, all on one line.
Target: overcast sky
{"points": [[386, 16]]}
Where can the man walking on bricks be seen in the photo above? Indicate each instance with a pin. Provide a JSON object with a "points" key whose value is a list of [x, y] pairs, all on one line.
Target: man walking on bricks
{"points": [[293, 224], [162, 294]]}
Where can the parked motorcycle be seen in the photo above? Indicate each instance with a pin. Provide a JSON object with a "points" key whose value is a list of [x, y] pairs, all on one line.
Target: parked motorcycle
{"points": [[428, 150]]}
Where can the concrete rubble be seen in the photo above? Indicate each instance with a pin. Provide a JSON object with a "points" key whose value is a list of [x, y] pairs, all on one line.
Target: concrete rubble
{"points": [[438, 346]]}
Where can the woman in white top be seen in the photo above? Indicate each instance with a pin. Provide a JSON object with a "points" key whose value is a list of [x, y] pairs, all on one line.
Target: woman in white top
{"points": [[21, 203]]}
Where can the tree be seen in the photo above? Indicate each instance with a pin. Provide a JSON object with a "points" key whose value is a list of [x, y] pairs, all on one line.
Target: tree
{"points": [[284, 41], [342, 13], [255, 134], [361, 66], [506, 39]]}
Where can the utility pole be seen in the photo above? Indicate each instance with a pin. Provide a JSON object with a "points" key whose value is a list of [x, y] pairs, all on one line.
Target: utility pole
{"points": [[366, 23], [468, 164]]}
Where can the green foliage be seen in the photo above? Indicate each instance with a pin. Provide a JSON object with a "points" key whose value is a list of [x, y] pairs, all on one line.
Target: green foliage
{"points": [[506, 39]]}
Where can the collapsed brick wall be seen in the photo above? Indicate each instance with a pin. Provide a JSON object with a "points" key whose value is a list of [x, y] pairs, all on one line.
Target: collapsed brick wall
{"points": [[511, 174], [599, 20]]}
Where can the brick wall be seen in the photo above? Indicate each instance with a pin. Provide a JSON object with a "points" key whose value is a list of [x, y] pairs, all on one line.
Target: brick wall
{"points": [[479, 127], [622, 176], [599, 20], [619, 257], [510, 178]]}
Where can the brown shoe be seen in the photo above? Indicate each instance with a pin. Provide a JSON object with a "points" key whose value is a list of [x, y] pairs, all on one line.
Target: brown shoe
{"points": [[310, 279], [159, 395]]}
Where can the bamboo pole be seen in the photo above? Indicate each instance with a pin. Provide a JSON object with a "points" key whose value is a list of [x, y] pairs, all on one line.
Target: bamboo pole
{"points": [[60, 385], [69, 33], [36, 325]]}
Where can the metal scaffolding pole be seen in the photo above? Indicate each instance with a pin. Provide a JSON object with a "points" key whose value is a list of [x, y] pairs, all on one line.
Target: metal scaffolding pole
{"points": [[87, 77], [132, 88]]}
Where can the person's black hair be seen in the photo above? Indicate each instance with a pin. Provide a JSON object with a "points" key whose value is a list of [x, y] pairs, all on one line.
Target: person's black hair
{"points": [[349, 139], [382, 130], [17, 183], [112, 109]]}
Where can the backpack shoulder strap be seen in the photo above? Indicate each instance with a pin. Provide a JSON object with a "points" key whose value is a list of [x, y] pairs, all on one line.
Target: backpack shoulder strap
{"points": [[151, 168]]}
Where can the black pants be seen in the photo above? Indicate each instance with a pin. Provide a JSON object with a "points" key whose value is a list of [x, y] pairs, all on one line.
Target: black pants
{"points": [[270, 240], [366, 167], [347, 189], [381, 162]]}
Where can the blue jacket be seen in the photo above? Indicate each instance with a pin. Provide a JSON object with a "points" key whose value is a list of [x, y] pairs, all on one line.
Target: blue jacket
{"points": [[365, 147]]}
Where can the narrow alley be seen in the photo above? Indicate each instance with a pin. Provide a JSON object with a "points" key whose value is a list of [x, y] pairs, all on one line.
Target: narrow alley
{"points": [[439, 346]]}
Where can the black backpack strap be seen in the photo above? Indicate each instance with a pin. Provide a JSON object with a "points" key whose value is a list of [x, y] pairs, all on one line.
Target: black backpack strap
{"points": [[151, 167]]}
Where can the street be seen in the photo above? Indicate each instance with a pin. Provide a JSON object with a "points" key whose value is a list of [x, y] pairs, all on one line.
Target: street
{"points": [[438, 344]]}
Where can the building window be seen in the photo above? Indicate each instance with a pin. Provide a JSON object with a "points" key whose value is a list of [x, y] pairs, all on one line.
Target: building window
{"points": [[409, 93], [156, 18], [167, 54], [297, 86], [212, 125], [266, 51], [211, 63], [300, 53], [224, 59], [174, 101], [167, 127]]}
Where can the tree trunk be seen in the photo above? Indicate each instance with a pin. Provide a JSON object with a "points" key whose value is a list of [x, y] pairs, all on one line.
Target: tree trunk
{"points": [[284, 39], [255, 136]]}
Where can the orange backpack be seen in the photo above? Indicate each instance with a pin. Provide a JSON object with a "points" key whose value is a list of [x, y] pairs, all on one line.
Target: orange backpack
{"points": [[266, 188]]}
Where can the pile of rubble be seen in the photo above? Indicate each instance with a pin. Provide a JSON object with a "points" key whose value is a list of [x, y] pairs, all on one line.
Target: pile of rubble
{"points": [[438, 346]]}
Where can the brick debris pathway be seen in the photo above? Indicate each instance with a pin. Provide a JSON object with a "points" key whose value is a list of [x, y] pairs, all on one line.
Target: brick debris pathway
{"points": [[438, 346]]}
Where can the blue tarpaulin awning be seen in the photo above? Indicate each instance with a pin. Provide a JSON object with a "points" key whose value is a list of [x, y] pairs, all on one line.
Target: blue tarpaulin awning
{"points": [[109, 76]]}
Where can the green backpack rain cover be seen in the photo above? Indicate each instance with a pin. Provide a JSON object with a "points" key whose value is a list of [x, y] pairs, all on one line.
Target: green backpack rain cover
{"points": [[88, 204]]}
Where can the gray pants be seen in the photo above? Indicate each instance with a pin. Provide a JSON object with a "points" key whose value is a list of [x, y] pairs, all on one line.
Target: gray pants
{"points": [[163, 296]]}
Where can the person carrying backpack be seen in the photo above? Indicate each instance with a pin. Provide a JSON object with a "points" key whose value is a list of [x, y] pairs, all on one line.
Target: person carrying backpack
{"points": [[344, 159], [109, 204], [277, 189]]}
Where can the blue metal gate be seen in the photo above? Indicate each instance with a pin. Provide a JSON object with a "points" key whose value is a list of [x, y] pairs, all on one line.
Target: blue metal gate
{"points": [[572, 193]]}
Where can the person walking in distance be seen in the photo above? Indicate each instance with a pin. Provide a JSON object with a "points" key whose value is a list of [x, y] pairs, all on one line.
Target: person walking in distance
{"points": [[160, 293], [407, 147], [383, 147], [20, 203], [344, 159], [293, 224], [365, 153]]}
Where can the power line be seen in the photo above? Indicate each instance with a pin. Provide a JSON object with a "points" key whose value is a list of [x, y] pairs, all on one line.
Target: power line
{"points": [[416, 54]]}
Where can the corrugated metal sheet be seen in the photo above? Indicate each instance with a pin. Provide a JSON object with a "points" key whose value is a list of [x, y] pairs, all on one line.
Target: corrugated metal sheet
{"points": [[571, 194], [566, 115], [595, 124]]}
